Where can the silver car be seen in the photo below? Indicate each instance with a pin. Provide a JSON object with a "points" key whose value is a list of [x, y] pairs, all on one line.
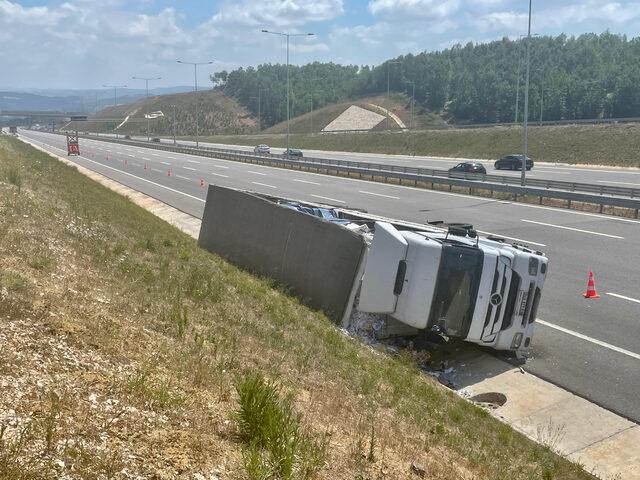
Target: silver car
{"points": [[261, 149]]}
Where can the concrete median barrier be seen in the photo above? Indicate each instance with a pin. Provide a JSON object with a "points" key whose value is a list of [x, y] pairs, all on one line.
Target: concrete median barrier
{"points": [[317, 259]]}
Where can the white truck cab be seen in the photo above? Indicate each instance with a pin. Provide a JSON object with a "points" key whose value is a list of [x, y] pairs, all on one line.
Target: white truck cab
{"points": [[481, 290]]}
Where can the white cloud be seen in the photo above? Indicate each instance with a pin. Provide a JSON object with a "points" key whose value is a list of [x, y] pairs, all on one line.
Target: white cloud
{"points": [[414, 8]]}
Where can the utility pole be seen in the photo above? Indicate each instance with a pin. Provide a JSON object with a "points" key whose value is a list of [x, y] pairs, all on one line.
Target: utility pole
{"points": [[388, 89], [413, 101], [146, 81], [115, 98], [195, 78], [523, 179], [288, 83]]}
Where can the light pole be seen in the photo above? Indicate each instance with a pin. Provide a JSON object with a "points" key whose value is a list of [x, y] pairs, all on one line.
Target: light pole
{"points": [[413, 101], [541, 93], [518, 80], [146, 81], [260, 90], [388, 88], [523, 179], [115, 97], [195, 78], [288, 35]]}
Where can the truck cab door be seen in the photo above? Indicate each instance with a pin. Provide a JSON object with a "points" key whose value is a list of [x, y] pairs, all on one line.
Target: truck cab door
{"points": [[384, 270]]}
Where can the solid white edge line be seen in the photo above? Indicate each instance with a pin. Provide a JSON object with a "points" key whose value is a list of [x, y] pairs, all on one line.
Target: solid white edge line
{"points": [[572, 229], [623, 297], [135, 176], [589, 339], [511, 238]]}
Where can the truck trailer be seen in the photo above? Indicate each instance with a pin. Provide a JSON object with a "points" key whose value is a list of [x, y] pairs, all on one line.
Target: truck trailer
{"points": [[436, 277]]}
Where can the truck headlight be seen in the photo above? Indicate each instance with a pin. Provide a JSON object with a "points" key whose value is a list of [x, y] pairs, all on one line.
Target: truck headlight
{"points": [[517, 340]]}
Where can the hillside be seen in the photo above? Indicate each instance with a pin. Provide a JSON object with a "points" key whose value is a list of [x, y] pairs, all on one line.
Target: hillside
{"points": [[217, 114], [129, 352], [589, 76], [399, 105]]}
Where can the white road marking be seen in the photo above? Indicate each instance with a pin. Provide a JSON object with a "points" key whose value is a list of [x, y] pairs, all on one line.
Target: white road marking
{"points": [[256, 173], [623, 297], [132, 175], [131, 155], [155, 154], [189, 168], [156, 170], [165, 163], [264, 184], [192, 161], [378, 194], [220, 166], [618, 183], [573, 229], [219, 175], [589, 339], [305, 181], [511, 238], [184, 178], [329, 198], [136, 164]]}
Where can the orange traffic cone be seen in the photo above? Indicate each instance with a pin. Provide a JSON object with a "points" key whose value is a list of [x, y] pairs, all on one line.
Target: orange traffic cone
{"points": [[169, 173], [145, 166], [201, 182], [591, 287]]}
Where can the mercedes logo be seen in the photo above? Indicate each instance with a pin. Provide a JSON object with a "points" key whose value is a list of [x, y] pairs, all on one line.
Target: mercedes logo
{"points": [[496, 299]]}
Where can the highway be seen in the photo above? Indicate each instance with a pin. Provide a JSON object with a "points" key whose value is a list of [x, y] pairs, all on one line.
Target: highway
{"points": [[590, 347], [608, 176]]}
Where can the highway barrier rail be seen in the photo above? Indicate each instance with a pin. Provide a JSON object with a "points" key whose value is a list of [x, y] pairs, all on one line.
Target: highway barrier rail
{"points": [[602, 195]]}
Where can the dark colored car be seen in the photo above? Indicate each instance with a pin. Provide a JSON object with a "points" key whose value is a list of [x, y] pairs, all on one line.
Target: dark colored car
{"points": [[469, 167], [127, 137], [513, 162], [156, 139], [293, 152]]}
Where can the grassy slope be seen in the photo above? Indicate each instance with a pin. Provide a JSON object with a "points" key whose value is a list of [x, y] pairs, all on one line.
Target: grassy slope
{"points": [[321, 117], [217, 114], [122, 339], [579, 144]]}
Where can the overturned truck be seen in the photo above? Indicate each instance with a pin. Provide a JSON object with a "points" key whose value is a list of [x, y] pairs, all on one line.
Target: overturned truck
{"points": [[441, 278]]}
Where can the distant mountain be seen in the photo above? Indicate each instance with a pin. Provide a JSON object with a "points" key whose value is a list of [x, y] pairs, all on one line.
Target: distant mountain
{"points": [[32, 102], [85, 100]]}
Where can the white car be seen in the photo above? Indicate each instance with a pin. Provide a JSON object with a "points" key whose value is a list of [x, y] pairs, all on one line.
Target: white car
{"points": [[261, 149]]}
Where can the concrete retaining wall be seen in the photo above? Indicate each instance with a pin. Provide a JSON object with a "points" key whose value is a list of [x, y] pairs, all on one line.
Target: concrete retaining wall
{"points": [[317, 259]]}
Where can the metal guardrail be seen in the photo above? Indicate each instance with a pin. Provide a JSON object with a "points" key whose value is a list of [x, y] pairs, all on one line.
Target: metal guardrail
{"points": [[568, 191]]}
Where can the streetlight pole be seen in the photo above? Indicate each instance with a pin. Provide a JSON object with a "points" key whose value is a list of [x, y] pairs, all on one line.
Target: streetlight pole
{"points": [[523, 179], [115, 97], [288, 35], [388, 89], [195, 78], [413, 101], [146, 81], [541, 95]]}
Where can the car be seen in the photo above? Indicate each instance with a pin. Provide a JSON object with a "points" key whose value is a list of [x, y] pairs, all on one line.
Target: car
{"points": [[469, 167], [261, 149], [127, 137], [292, 152], [513, 162], [155, 139]]}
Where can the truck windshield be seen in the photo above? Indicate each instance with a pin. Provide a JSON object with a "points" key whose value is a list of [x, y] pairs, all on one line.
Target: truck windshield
{"points": [[456, 289]]}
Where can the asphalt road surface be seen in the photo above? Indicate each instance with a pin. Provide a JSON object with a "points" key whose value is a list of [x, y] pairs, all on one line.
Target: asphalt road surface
{"points": [[590, 347], [607, 176]]}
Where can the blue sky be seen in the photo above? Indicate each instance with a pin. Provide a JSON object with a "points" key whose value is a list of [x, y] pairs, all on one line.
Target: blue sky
{"points": [[85, 43]]}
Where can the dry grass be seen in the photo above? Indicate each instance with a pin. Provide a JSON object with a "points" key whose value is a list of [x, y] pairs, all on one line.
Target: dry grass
{"points": [[123, 344], [612, 145]]}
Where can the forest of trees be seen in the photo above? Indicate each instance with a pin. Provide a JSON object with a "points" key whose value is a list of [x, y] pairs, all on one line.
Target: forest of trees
{"points": [[590, 76]]}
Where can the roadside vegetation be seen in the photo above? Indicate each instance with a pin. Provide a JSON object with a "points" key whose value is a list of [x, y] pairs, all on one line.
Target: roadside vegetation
{"points": [[127, 352], [613, 145]]}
